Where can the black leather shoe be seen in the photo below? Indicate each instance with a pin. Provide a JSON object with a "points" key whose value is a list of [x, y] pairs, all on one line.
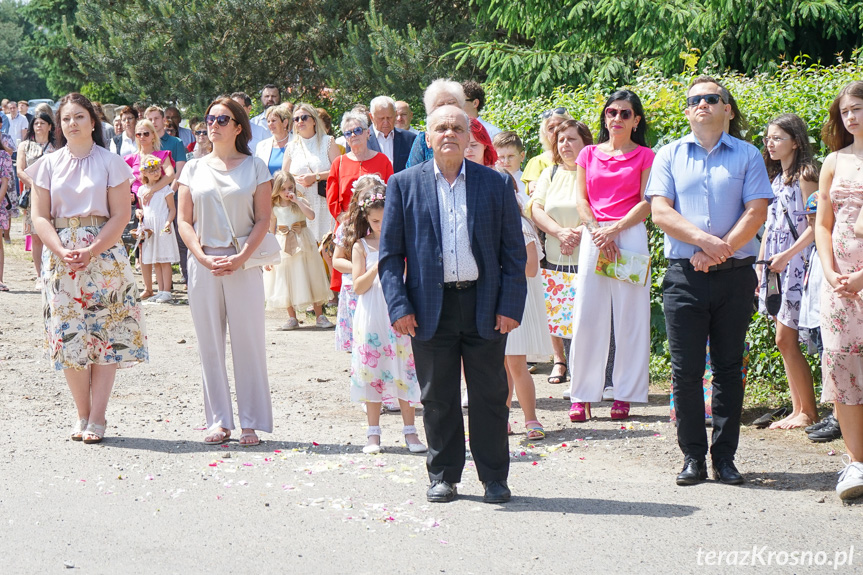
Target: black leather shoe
{"points": [[441, 492], [725, 472], [829, 432], [496, 492], [694, 471]]}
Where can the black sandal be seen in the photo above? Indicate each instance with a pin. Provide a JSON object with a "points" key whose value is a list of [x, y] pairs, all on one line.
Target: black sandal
{"points": [[558, 378]]}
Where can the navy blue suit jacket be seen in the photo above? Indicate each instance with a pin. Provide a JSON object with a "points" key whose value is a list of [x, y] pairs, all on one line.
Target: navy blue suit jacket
{"points": [[402, 143], [412, 233]]}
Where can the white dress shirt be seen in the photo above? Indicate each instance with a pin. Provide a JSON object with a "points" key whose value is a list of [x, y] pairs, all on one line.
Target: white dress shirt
{"points": [[458, 261], [386, 143], [129, 146], [17, 126]]}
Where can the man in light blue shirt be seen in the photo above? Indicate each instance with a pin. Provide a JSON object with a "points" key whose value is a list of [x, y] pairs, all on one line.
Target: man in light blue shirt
{"points": [[709, 193]]}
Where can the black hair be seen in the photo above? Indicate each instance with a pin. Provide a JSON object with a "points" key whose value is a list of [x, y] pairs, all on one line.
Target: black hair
{"points": [[640, 131], [45, 117]]}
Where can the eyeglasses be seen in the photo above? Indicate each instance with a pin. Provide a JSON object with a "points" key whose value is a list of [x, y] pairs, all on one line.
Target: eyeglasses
{"points": [[549, 113], [302, 118], [355, 132], [613, 112], [774, 139], [200, 132], [711, 99], [221, 120], [142, 134]]}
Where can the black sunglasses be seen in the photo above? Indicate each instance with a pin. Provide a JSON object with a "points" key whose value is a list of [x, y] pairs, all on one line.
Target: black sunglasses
{"points": [[711, 99], [613, 112], [355, 132], [200, 132], [549, 113], [302, 118], [221, 120]]}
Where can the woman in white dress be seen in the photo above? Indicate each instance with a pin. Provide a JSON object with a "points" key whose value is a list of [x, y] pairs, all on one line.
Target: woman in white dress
{"points": [[308, 158]]}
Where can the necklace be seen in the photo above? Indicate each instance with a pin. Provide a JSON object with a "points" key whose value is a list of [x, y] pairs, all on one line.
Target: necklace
{"points": [[282, 140], [90, 153], [858, 159]]}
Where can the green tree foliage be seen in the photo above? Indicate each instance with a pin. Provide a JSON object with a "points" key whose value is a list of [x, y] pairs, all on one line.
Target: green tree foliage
{"points": [[396, 49], [541, 45], [19, 79]]}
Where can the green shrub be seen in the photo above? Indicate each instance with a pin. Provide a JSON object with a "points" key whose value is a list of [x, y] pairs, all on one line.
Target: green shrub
{"points": [[796, 87]]}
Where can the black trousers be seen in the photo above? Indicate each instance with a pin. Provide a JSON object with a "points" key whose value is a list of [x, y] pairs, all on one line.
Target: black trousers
{"points": [[439, 362], [716, 305]]}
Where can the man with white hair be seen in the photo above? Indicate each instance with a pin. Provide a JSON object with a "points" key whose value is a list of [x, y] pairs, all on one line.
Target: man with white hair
{"points": [[394, 143]]}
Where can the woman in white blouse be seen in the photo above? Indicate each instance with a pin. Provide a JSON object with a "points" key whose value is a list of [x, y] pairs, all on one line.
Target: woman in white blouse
{"points": [[226, 190]]}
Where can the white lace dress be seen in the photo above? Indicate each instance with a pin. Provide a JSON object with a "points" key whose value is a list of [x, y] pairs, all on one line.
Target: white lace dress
{"points": [[310, 155]]}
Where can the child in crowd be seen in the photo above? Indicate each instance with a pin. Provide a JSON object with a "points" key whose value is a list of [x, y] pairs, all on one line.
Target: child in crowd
{"points": [[382, 361], [159, 248], [510, 156], [300, 278], [531, 337]]}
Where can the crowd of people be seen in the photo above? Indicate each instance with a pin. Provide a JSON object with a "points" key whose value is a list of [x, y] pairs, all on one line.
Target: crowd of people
{"points": [[449, 266]]}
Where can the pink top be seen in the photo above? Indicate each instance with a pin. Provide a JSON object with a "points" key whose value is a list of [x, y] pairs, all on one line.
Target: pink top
{"points": [[134, 161], [79, 186], [613, 182]]}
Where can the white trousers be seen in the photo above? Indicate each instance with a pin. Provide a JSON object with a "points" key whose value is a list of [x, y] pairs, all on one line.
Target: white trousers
{"points": [[236, 300], [591, 336]]}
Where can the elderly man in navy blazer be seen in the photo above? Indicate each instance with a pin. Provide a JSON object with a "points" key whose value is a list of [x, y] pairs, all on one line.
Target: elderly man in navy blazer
{"points": [[385, 138], [452, 268]]}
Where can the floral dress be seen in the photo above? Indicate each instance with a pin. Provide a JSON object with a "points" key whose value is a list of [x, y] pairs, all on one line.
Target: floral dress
{"points": [[842, 318], [382, 361], [5, 174], [778, 238], [347, 304]]}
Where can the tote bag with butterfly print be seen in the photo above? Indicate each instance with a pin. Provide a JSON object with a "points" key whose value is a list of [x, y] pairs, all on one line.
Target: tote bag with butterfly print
{"points": [[559, 291]]}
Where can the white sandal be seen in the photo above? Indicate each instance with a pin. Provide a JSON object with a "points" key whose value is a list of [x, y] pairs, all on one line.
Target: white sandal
{"points": [[94, 433], [372, 448], [79, 428], [413, 447]]}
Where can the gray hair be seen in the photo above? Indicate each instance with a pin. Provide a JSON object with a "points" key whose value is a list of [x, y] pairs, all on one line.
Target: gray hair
{"points": [[442, 86], [382, 102], [351, 117]]}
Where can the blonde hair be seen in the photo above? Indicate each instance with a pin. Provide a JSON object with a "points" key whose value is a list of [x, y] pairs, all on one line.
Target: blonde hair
{"points": [[320, 128], [280, 179], [148, 125], [150, 162]]}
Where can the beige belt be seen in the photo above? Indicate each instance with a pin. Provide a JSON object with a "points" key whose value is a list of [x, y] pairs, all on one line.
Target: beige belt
{"points": [[79, 222]]}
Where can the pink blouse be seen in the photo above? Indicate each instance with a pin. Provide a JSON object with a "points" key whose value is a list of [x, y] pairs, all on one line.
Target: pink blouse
{"points": [[613, 182], [134, 161], [79, 186]]}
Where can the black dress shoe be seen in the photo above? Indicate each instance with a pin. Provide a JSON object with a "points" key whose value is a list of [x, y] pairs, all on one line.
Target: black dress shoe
{"points": [[725, 472], [694, 471], [496, 492], [829, 432], [441, 492]]}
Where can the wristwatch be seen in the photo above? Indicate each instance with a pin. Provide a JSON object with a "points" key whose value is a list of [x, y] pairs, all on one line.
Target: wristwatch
{"points": [[318, 177]]}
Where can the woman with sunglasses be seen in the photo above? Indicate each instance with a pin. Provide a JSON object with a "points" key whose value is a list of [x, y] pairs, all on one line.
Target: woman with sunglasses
{"points": [[551, 119], [203, 145], [308, 158], [347, 169], [223, 196], [612, 176], [272, 150], [93, 319], [148, 144]]}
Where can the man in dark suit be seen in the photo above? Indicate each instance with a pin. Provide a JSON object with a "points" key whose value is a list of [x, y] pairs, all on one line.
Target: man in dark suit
{"points": [[456, 225], [384, 137]]}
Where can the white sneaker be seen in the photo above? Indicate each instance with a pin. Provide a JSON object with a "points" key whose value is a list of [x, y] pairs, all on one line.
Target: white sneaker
{"points": [[323, 323], [850, 485], [391, 407], [566, 394], [163, 297], [608, 394], [292, 324]]}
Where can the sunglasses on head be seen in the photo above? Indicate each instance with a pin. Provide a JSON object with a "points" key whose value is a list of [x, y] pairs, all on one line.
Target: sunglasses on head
{"points": [[302, 118], [355, 132], [200, 132], [711, 99], [614, 112], [549, 113], [220, 120], [142, 134]]}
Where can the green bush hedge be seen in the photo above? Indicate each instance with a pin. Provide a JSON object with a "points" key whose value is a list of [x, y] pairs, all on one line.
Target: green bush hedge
{"points": [[806, 90]]}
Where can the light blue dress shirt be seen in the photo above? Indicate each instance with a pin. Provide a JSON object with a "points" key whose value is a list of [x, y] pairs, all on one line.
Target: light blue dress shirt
{"points": [[709, 189]]}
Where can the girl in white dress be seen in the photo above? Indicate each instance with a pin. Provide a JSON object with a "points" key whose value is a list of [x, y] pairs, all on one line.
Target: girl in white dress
{"points": [[529, 338], [382, 360], [159, 248], [300, 278]]}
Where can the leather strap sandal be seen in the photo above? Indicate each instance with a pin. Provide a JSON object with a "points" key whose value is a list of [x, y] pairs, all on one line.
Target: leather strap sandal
{"points": [[562, 378]]}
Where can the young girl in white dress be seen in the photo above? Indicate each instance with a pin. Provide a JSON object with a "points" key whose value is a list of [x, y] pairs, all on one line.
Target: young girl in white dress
{"points": [[529, 338], [300, 279], [382, 361], [159, 248]]}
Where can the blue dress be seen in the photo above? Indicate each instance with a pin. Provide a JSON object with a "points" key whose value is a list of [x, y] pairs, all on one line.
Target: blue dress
{"points": [[277, 158]]}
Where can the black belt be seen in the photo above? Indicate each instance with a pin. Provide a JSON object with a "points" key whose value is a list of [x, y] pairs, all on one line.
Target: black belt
{"points": [[726, 265], [459, 285]]}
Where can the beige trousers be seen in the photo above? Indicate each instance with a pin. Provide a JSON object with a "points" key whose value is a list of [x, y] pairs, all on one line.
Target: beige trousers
{"points": [[235, 300]]}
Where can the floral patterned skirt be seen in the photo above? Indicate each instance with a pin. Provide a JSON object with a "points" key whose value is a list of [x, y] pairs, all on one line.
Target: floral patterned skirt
{"points": [[92, 316], [345, 318]]}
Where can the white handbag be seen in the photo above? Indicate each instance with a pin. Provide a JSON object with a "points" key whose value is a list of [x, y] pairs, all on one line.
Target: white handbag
{"points": [[266, 254]]}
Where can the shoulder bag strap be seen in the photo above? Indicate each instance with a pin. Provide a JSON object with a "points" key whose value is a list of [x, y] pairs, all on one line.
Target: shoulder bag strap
{"points": [[236, 243], [791, 225]]}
